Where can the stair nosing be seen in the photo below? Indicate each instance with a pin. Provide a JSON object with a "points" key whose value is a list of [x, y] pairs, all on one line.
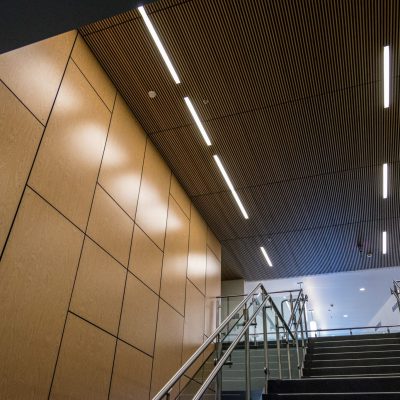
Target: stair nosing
{"points": [[351, 366], [352, 376], [353, 352]]}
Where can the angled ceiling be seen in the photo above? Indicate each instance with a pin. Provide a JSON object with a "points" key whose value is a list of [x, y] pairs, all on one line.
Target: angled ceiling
{"points": [[291, 95]]}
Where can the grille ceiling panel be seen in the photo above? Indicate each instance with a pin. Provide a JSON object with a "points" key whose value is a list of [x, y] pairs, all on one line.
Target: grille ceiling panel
{"points": [[290, 93]]}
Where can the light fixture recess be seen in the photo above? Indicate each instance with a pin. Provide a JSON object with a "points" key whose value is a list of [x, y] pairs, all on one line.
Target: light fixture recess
{"points": [[159, 45], [230, 185], [266, 256], [197, 121], [384, 243], [386, 76], [385, 181]]}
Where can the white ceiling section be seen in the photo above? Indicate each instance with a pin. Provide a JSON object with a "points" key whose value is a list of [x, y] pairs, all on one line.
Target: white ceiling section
{"points": [[363, 308]]}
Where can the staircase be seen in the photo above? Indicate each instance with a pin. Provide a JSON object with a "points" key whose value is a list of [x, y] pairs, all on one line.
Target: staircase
{"points": [[345, 367]]}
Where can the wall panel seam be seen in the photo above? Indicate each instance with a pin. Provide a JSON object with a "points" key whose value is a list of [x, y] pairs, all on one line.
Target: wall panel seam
{"points": [[87, 80], [127, 272], [37, 150], [80, 256], [20, 101], [159, 296]]}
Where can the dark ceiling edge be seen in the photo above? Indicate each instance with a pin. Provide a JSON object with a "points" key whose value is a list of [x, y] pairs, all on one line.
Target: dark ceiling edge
{"points": [[24, 22]]}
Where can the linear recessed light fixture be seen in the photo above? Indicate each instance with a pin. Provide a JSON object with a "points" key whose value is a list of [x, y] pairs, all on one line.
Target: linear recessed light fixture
{"points": [[386, 76], [385, 181], [159, 45], [197, 121], [384, 245], [229, 183], [266, 256]]}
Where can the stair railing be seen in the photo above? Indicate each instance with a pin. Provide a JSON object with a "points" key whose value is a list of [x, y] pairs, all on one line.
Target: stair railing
{"points": [[250, 308], [396, 292], [165, 391]]}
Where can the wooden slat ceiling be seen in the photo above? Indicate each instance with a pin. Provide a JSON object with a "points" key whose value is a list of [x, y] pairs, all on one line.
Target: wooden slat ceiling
{"points": [[290, 92]]}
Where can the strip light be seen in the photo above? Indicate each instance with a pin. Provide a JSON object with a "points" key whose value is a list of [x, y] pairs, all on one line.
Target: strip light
{"points": [[384, 245], [385, 181], [197, 121], [159, 45], [386, 77], [266, 256], [229, 183]]}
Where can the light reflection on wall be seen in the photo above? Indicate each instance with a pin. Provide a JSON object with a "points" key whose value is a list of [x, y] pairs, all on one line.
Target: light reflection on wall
{"points": [[83, 137]]}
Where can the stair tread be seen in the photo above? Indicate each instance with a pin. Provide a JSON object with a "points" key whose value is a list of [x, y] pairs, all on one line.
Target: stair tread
{"points": [[353, 366]]}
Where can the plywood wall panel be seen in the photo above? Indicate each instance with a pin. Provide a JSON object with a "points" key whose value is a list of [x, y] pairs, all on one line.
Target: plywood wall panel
{"points": [[153, 198], [19, 139], [34, 72], [36, 276], [121, 169], [94, 73], [68, 161], [173, 280], [85, 363]]}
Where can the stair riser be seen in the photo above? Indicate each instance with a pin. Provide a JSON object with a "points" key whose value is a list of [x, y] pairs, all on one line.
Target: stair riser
{"points": [[354, 342], [352, 396], [350, 349], [353, 355], [347, 371], [351, 362], [335, 385], [355, 337]]}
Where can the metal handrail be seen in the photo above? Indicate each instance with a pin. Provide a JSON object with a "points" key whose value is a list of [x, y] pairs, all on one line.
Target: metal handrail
{"points": [[282, 319], [396, 292], [228, 352], [242, 295], [166, 388], [294, 310], [216, 335], [246, 327]]}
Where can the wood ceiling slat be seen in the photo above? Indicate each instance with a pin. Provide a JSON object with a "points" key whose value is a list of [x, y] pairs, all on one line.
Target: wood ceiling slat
{"points": [[291, 95]]}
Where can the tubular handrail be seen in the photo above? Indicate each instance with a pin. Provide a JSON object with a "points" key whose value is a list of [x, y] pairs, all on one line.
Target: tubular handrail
{"points": [[216, 335], [164, 391], [281, 318], [242, 295], [297, 304], [396, 292], [228, 352]]}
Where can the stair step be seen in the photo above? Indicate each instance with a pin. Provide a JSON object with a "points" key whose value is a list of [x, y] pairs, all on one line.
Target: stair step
{"points": [[360, 354], [353, 342], [334, 396], [355, 337], [351, 362], [344, 348], [352, 370], [335, 385]]}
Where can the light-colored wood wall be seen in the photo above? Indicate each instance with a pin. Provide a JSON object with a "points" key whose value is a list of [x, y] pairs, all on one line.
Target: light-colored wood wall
{"points": [[108, 272]]}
